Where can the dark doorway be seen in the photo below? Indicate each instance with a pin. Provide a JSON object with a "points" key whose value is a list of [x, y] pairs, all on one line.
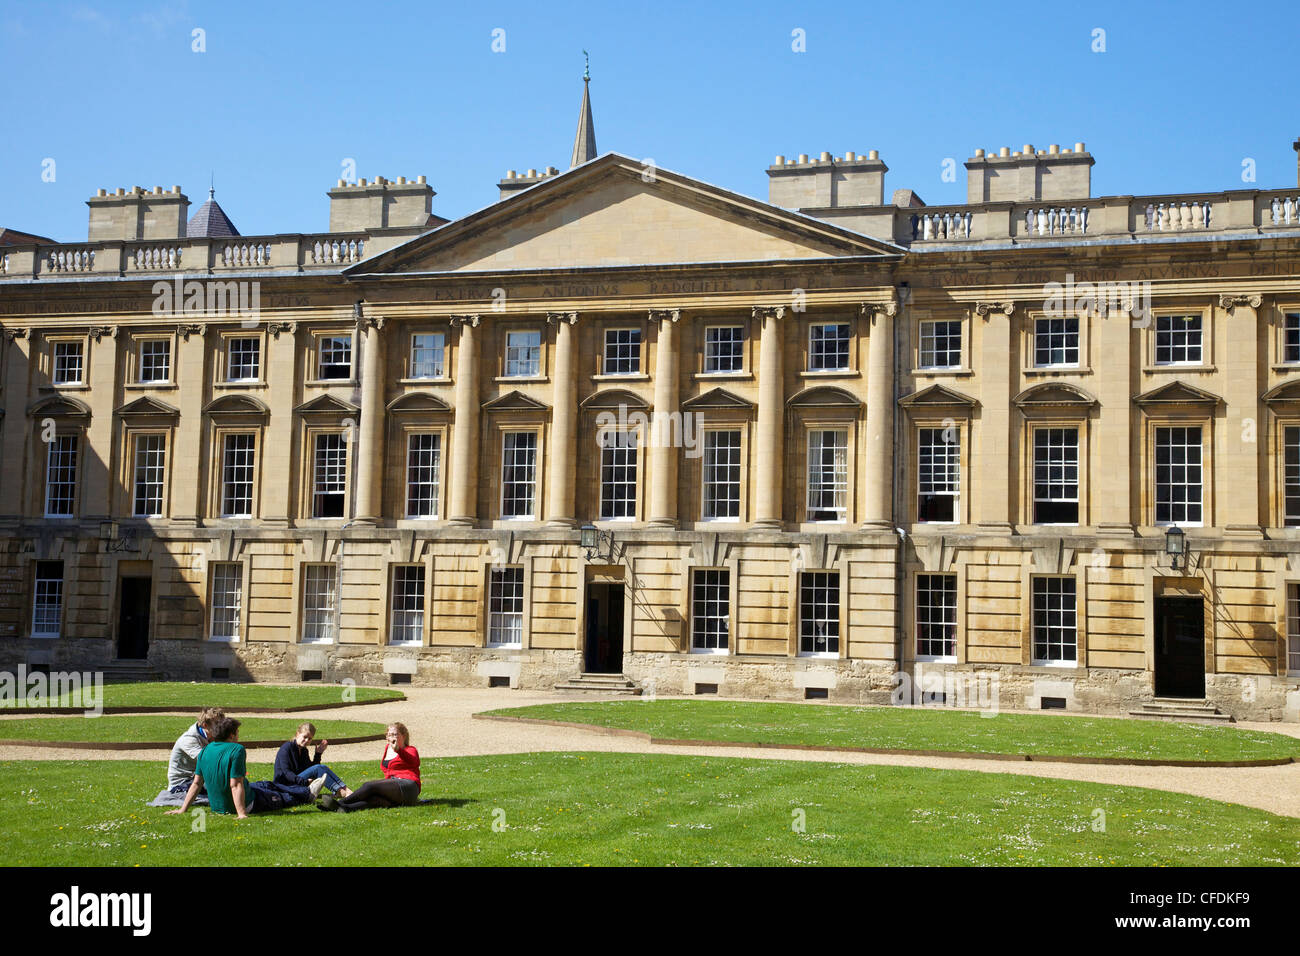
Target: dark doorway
{"points": [[1180, 647], [133, 619], [604, 627]]}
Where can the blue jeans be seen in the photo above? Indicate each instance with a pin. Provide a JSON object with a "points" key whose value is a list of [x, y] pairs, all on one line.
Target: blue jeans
{"points": [[264, 795], [332, 780]]}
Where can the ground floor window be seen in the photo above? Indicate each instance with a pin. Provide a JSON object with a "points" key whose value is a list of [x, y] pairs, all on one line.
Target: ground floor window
{"points": [[506, 608], [227, 600], [936, 616], [710, 610], [819, 612], [1293, 628], [407, 620], [47, 599], [320, 604], [1055, 623]]}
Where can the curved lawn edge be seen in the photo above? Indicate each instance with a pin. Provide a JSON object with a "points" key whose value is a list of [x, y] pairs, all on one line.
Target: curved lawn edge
{"points": [[833, 748], [162, 745], [186, 708]]}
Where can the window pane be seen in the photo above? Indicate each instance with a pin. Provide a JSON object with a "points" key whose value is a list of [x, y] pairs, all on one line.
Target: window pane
{"points": [[1056, 341], [427, 353], [408, 605], [155, 361], [423, 464], [519, 474], [330, 476], [61, 476], [723, 348], [721, 474], [938, 473], [618, 462], [238, 457], [47, 599], [1178, 476], [1056, 476], [940, 345], [622, 351], [227, 600], [936, 615], [1055, 631], [506, 607], [1178, 340], [320, 603], [67, 363], [828, 348], [819, 612], [243, 360], [710, 610], [150, 472], [335, 357], [828, 475], [523, 354]]}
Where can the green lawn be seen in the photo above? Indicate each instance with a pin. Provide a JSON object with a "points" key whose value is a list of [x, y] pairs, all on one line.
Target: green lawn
{"points": [[230, 696], [164, 730], [907, 728], [557, 808]]}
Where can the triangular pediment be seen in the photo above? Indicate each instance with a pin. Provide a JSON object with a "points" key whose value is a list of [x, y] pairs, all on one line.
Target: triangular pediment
{"points": [[327, 405], [615, 398], [237, 405], [615, 211], [58, 406], [717, 398], [1054, 395], [937, 396], [1177, 393], [515, 401], [147, 407], [823, 396], [418, 402]]}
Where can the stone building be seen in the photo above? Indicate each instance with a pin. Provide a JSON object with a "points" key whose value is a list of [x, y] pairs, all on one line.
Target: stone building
{"points": [[818, 440]]}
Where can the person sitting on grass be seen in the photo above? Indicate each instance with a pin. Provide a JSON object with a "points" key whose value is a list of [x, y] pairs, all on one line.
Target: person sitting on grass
{"points": [[186, 750], [222, 768], [400, 786], [295, 768]]}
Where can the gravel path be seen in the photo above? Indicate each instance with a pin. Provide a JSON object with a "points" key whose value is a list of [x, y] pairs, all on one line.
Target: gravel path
{"points": [[441, 725]]}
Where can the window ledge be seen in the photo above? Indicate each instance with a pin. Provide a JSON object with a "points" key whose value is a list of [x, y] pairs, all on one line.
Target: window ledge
{"points": [[144, 386], [332, 383], [964, 370], [1057, 370], [522, 378], [65, 387], [625, 377], [923, 659], [1286, 367], [832, 373], [1206, 369], [443, 380], [733, 376], [240, 386]]}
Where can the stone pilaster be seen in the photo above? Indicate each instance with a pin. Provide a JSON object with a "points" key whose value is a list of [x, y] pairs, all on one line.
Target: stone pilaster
{"points": [[97, 476], [771, 419], [370, 443], [14, 438], [462, 506], [1112, 482], [663, 449], [1240, 496], [564, 422], [991, 458], [877, 503], [191, 374], [279, 440]]}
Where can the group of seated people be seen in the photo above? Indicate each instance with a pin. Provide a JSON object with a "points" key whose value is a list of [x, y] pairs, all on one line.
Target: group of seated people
{"points": [[208, 765]]}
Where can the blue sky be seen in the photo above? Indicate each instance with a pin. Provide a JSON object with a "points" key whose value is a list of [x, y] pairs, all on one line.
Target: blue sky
{"points": [[285, 93]]}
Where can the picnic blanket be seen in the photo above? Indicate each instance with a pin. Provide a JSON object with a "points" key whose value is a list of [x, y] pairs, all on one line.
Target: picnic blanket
{"points": [[168, 799]]}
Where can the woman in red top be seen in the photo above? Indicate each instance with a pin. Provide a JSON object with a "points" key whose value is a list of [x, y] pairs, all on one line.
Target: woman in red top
{"points": [[400, 786]]}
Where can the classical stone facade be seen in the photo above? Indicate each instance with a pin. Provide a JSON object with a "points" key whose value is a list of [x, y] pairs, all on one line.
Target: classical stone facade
{"points": [[816, 448]]}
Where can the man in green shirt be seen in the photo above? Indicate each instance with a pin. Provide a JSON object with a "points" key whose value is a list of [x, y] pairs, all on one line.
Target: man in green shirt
{"points": [[221, 769]]}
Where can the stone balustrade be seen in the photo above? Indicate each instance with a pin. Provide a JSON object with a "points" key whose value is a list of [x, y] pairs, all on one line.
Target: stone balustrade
{"points": [[1052, 220], [70, 259], [1176, 215], [156, 257], [245, 254], [941, 223]]}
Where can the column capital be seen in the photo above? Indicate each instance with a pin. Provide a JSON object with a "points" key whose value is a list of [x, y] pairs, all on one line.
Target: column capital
{"points": [[769, 311], [461, 319], [97, 332], [570, 318], [275, 328], [187, 330], [375, 322], [662, 315], [986, 308], [1230, 302], [11, 334], [873, 310]]}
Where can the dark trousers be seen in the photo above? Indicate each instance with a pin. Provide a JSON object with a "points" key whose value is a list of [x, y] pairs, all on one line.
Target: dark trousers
{"points": [[266, 795], [374, 794]]}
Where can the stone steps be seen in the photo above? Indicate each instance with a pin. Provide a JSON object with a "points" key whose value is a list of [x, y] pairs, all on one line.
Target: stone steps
{"points": [[615, 684], [123, 672], [1174, 708]]}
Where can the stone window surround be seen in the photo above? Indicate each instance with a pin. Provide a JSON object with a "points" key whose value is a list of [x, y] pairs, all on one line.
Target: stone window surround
{"points": [[1028, 336], [1207, 341], [850, 319], [55, 337], [313, 357], [408, 377], [722, 423], [1059, 419], [138, 339], [961, 511], [216, 482], [597, 479], [221, 367], [920, 317], [1027, 659], [824, 420], [209, 605], [404, 432], [389, 593], [126, 482], [744, 322], [307, 456], [1193, 418], [1278, 337]]}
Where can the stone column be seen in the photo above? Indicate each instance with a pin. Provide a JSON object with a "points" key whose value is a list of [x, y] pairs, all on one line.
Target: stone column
{"points": [[14, 438], [770, 456], [1241, 447], [191, 375], [462, 508], [991, 456], [564, 422], [370, 444], [666, 428], [877, 503], [278, 438]]}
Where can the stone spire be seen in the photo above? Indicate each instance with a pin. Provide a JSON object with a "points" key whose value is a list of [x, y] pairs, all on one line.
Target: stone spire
{"points": [[584, 143]]}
